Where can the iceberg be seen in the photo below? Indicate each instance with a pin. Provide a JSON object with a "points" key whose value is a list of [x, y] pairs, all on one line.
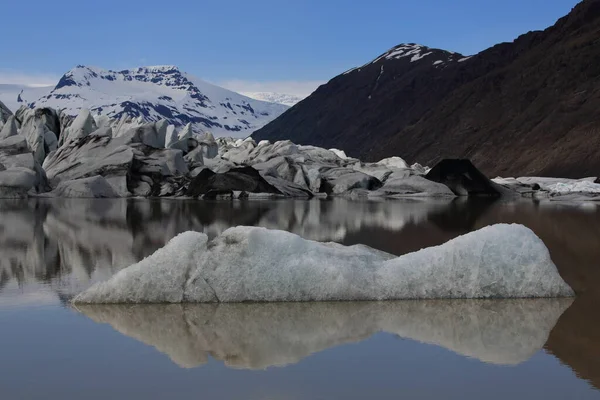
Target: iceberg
{"points": [[250, 264], [258, 336]]}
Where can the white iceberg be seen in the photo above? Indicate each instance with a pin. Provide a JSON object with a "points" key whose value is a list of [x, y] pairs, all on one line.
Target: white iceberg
{"points": [[261, 265]]}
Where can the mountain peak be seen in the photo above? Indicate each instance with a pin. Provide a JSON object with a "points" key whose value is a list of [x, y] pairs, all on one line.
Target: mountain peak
{"points": [[159, 92], [413, 52]]}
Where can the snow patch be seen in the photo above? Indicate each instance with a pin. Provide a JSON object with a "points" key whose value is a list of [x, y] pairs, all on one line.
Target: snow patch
{"points": [[417, 57]]}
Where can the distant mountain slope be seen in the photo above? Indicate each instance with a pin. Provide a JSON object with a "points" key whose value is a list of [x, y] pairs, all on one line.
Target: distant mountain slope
{"points": [[521, 108], [272, 97], [14, 95], [160, 92]]}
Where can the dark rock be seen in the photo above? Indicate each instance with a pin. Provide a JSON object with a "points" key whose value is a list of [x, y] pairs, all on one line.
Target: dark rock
{"points": [[462, 178], [245, 179]]}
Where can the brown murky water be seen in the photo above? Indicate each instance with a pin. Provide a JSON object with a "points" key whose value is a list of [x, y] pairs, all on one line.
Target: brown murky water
{"points": [[52, 249]]}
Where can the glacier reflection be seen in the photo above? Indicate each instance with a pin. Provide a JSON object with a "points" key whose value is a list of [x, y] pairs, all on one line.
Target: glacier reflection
{"points": [[70, 243], [257, 336]]}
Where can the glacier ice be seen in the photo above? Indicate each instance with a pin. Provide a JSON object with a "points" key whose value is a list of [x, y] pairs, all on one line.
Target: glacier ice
{"points": [[556, 189], [10, 128], [83, 125], [257, 336], [395, 162], [414, 185], [574, 187], [19, 172], [93, 187], [262, 265], [18, 177]]}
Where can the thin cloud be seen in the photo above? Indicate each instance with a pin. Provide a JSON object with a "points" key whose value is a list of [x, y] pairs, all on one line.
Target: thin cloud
{"points": [[28, 79], [296, 88]]}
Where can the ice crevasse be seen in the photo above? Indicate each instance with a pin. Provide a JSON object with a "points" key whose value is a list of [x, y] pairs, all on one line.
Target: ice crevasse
{"points": [[250, 264]]}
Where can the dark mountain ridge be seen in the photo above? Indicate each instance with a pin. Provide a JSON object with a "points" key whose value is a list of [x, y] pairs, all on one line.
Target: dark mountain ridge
{"points": [[529, 107]]}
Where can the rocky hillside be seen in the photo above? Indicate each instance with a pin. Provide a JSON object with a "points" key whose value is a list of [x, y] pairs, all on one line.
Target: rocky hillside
{"points": [[523, 108]]}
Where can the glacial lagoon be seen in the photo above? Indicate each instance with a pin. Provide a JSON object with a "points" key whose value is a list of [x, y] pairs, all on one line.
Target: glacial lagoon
{"points": [[52, 249]]}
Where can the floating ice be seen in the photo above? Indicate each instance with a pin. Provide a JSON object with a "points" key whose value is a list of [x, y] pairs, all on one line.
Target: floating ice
{"points": [[257, 264], [257, 336], [574, 187]]}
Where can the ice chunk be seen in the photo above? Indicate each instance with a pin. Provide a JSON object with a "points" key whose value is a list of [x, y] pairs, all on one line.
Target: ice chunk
{"points": [[160, 278], [82, 126], [10, 128], [18, 177], [92, 187], [341, 153], [412, 186], [394, 162], [257, 336], [257, 264], [170, 136], [574, 187], [341, 180]]}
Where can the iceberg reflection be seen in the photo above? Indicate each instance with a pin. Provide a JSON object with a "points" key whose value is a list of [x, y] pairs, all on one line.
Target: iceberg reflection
{"points": [[257, 336]]}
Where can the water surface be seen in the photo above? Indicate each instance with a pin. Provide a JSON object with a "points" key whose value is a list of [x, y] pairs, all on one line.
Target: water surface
{"points": [[54, 248]]}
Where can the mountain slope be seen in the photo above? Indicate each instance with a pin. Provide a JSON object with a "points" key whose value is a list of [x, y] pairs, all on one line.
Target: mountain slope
{"points": [[350, 111], [526, 107], [160, 92]]}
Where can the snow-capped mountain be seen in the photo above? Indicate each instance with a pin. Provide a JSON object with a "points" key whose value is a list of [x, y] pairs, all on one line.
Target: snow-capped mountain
{"points": [[272, 97], [159, 92]]}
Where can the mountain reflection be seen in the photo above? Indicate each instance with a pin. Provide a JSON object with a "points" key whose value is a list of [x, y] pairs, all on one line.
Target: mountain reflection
{"points": [[257, 336]]}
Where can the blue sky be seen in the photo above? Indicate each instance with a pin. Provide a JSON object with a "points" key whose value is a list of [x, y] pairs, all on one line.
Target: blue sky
{"points": [[250, 45]]}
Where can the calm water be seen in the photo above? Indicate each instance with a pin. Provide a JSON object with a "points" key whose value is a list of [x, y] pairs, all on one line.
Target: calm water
{"points": [[53, 249]]}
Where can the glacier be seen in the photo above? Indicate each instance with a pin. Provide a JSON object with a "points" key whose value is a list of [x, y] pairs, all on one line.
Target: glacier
{"points": [[250, 264], [259, 336], [155, 159]]}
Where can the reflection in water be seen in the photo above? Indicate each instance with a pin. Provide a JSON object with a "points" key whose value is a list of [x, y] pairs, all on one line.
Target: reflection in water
{"points": [[256, 336], [66, 244], [70, 243]]}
